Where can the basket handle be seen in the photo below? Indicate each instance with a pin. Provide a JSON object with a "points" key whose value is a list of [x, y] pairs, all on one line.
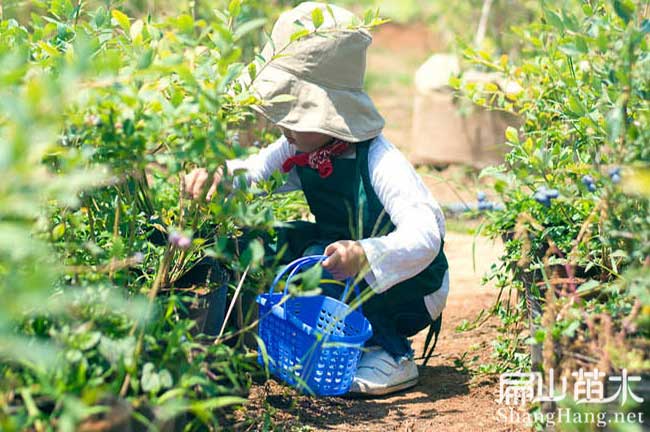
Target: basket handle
{"points": [[309, 261]]}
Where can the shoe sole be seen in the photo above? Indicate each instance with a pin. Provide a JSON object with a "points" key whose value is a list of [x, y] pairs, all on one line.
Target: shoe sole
{"points": [[382, 391]]}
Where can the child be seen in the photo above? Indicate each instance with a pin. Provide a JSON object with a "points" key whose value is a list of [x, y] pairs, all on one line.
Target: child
{"points": [[374, 216]]}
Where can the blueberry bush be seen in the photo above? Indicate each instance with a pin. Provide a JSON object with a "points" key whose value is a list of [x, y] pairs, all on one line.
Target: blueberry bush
{"points": [[103, 110], [575, 186]]}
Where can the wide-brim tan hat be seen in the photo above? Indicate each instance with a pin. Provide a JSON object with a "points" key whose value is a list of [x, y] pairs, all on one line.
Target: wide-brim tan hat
{"points": [[321, 73]]}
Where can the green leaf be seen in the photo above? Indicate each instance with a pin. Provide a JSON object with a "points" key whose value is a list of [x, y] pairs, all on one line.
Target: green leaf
{"points": [[122, 20], [252, 71], [571, 49], [233, 70], [645, 26], [166, 380], [150, 380], [253, 254], [571, 329], [624, 9], [512, 135], [454, 82], [331, 12], [234, 7], [282, 98], [310, 279], [576, 106], [317, 17], [215, 403], [368, 16], [588, 286], [247, 27], [185, 23], [554, 19], [58, 231], [100, 16], [89, 340], [299, 34], [146, 59]]}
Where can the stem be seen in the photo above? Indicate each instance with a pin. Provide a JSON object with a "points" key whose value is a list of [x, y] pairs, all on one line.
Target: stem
{"points": [[152, 296], [482, 24], [116, 230], [232, 304]]}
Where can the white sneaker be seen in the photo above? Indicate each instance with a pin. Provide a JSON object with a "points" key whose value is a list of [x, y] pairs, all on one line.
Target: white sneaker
{"points": [[378, 373]]}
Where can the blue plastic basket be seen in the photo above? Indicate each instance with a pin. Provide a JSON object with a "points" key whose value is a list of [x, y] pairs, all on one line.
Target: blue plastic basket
{"points": [[313, 343]]}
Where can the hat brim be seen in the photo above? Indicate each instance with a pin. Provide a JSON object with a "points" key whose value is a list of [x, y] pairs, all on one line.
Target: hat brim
{"points": [[346, 114]]}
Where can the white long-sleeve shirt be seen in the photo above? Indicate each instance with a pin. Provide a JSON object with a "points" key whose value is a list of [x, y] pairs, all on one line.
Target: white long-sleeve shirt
{"points": [[418, 219]]}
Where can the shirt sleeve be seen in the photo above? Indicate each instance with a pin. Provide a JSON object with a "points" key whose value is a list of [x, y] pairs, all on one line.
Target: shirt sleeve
{"points": [[418, 219], [261, 165]]}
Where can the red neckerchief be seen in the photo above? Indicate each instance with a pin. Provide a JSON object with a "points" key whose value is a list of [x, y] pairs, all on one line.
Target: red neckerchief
{"points": [[320, 159]]}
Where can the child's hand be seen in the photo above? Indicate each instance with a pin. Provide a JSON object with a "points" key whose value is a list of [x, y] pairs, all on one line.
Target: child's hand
{"points": [[345, 258], [195, 181]]}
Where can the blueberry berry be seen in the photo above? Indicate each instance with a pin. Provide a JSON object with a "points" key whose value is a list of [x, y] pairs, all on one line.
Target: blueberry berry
{"points": [[615, 175], [544, 195], [485, 205], [480, 196], [541, 198], [552, 193], [588, 181]]}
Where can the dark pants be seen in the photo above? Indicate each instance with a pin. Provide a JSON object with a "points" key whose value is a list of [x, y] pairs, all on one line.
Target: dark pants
{"points": [[391, 324]]}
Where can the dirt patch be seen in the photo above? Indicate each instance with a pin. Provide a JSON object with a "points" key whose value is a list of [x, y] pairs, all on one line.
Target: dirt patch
{"points": [[416, 39], [447, 398]]}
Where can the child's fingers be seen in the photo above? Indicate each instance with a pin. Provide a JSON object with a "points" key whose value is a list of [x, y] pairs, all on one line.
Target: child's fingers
{"points": [[331, 248], [211, 191], [199, 181], [188, 182], [332, 262]]}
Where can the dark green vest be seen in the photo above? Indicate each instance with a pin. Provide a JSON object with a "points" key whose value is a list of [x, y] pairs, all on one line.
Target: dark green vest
{"points": [[346, 208]]}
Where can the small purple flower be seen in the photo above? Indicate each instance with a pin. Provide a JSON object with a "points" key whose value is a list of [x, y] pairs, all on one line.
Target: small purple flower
{"points": [[179, 240]]}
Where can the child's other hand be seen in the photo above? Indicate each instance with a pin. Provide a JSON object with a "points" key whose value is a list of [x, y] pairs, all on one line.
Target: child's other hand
{"points": [[345, 258], [195, 182]]}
